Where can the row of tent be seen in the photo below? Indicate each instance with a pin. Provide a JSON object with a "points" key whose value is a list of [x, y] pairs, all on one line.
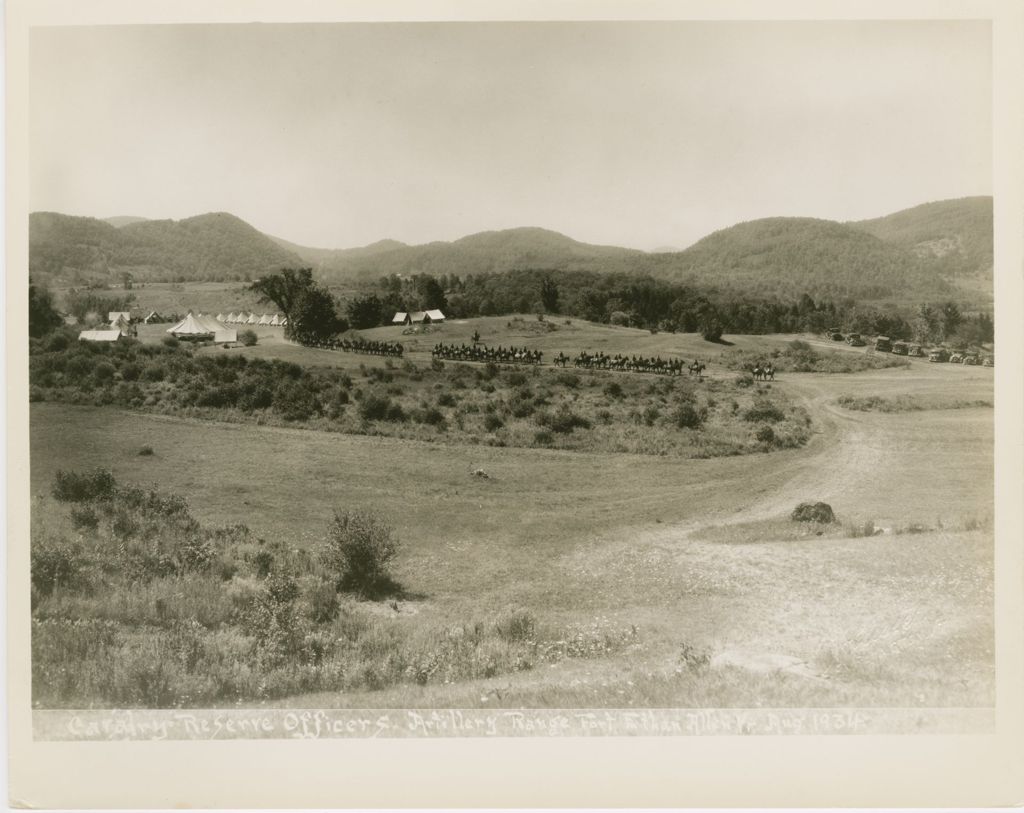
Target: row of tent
{"points": [[202, 327], [252, 319]]}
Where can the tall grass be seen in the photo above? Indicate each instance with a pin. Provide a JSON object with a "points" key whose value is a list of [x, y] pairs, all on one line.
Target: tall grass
{"points": [[148, 608]]}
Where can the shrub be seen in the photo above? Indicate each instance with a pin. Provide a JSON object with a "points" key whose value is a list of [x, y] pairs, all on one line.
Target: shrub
{"points": [[375, 407], [763, 411], [619, 318], [430, 416], [813, 512], [358, 550], [170, 341], [248, 338], [323, 603], [517, 626], [104, 372], [613, 389], [84, 518], [55, 563], [563, 421], [130, 372], [294, 401], [688, 417], [263, 562], [570, 380], [543, 438], [58, 342], [153, 372], [766, 435], [69, 486], [492, 422]]}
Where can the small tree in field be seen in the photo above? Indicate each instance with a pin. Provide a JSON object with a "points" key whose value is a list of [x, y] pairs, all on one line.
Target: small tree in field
{"points": [[358, 549]]}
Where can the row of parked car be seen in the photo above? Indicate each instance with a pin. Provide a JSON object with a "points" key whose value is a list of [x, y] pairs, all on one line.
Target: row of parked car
{"points": [[884, 344]]}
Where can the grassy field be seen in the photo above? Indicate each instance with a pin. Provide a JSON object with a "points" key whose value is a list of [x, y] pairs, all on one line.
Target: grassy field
{"points": [[685, 574]]}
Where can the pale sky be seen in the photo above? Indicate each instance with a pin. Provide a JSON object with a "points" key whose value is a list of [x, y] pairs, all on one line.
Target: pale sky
{"points": [[633, 134]]}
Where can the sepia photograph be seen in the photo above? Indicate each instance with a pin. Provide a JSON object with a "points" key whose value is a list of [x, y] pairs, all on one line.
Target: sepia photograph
{"points": [[481, 379]]}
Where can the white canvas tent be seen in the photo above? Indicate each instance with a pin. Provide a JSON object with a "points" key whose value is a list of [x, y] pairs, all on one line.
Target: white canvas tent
{"points": [[191, 327], [220, 317], [252, 320], [435, 316], [284, 321], [231, 318], [99, 335], [114, 316], [275, 321], [153, 316], [264, 320], [400, 318], [122, 324]]}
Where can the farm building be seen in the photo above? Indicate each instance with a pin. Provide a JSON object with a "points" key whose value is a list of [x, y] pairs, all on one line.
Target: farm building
{"points": [[107, 335]]}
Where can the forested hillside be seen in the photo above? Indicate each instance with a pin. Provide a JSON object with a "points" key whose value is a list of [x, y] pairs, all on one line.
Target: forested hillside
{"points": [[486, 252], [788, 256], [216, 246], [938, 250], [954, 237]]}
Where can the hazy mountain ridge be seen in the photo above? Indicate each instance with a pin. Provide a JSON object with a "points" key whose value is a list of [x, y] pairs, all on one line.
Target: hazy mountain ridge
{"points": [[932, 250], [215, 246], [955, 233]]}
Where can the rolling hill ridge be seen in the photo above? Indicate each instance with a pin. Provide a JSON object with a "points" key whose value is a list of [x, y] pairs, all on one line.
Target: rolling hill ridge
{"points": [[934, 250]]}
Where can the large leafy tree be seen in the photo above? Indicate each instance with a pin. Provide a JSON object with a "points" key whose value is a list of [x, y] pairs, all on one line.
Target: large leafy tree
{"points": [[42, 315], [549, 295], [311, 310], [365, 311], [284, 289]]}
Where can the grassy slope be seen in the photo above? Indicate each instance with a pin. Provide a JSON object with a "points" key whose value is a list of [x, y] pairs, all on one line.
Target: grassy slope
{"points": [[901, 620]]}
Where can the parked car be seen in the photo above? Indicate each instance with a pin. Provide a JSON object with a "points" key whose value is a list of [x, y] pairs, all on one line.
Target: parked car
{"points": [[884, 344], [988, 361], [956, 358], [938, 356], [855, 340], [900, 348], [916, 351]]}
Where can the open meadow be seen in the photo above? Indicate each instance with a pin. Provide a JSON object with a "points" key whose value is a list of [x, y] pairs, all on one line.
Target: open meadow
{"points": [[538, 575]]}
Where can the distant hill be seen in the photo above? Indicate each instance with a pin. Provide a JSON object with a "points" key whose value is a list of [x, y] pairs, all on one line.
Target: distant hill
{"points": [[217, 246], [953, 237], [936, 250], [490, 251], [319, 258], [789, 256], [123, 220]]}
